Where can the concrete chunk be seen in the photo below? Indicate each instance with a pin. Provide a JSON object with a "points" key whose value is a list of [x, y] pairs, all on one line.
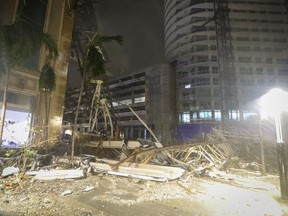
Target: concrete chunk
{"points": [[9, 171], [57, 174]]}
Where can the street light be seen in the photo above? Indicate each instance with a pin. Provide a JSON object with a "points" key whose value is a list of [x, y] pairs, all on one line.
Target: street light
{"points": [[273, 104]]}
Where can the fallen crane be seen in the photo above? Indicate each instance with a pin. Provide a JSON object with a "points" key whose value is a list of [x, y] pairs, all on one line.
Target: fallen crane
{"points": [[101, 129], [196, 157]]}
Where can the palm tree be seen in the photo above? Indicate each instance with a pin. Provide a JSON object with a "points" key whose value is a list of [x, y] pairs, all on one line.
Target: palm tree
{"points": [[47, 84], [93, 62], [18, 42]]}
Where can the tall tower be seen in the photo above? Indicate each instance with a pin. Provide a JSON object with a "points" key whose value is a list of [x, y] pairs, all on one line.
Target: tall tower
{"points": [[258, 48]]}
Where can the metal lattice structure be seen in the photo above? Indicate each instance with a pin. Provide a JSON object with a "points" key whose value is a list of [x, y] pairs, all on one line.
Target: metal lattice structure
{"points": [[225, 57], [85, 22], [100, 121]]}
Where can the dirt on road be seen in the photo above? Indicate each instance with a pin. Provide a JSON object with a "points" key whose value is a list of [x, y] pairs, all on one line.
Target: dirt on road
{"points": [[111, 195]]}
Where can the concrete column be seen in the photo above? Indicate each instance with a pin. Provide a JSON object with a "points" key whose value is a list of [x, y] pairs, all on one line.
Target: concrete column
{"points": [[59, 24]]}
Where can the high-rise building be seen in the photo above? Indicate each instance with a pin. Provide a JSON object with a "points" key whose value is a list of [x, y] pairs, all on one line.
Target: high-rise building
{"points": [[258, 33]]}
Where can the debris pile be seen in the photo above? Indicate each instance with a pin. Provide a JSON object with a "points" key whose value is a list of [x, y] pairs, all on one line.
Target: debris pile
{"points": [[148, 161]]}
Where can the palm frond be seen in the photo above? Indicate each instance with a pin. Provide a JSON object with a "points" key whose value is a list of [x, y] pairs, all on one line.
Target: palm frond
{"points": [[4, 48], [94, 60], [50, 45], [108, 39], [21, 40], [47, 80]]}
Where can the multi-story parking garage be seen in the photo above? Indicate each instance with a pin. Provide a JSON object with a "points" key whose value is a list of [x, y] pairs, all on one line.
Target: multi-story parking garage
{"points": [[149, 92]]}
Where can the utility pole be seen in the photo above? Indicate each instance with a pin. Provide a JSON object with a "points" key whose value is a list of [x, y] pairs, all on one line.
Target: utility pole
{"points": [[262, 148], [281, 156]]}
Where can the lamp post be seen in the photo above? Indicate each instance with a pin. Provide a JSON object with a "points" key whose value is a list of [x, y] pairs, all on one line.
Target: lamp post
{"points": [[273, 103]]}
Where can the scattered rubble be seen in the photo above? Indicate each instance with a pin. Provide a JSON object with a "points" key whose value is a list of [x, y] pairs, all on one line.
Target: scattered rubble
{"points": [[155, 163], [67, 192], [215, 159], [9, 171], [87, 189]]}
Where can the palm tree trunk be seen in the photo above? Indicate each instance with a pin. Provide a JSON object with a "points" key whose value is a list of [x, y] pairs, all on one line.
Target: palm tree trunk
{"points": [[76, 116], [4, 103], [46, 122]]}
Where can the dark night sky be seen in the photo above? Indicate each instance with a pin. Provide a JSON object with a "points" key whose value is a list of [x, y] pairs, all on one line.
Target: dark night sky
{"points": [[140, 22]]}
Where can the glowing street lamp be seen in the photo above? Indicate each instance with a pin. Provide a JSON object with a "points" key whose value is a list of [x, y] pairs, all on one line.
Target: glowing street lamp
{"points": [[273, 104]]}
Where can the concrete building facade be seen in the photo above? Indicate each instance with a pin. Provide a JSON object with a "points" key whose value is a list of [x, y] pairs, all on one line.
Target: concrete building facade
{"points": [[150, 92], [259, 30], [54, 17]]}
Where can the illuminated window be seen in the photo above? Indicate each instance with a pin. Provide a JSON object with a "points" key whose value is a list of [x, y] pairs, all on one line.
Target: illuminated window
{"points": [[188, 86], [184, 117], [234, 114], [247, 115], [16, 128], [205, 115], [217, 114], [139, 100], [126, 102]]}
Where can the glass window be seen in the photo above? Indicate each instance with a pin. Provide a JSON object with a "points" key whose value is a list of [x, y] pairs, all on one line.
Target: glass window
{"points": [[16, 129], [234, 114], [203, 70], [215, 81], [205, 115], [139, 100], [258, 60], [217, 114], [33, 11], [247, 115], [188, 86], [215, 70], [200, 81], [184, 117], [126, 102], [214, 58], [283, 72], [259, 71], [246, 70], [245, 59], [269, 60]]}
